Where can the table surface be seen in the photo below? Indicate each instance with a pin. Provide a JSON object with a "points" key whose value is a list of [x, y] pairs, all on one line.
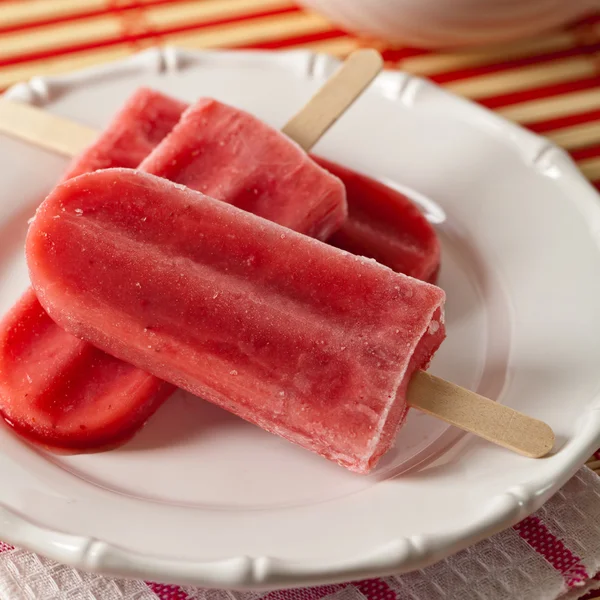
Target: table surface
{"points": [[549, 83]]}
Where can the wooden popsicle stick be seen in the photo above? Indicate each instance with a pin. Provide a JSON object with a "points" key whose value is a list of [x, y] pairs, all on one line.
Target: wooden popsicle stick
{"points": [[474, 413], [334, 98], [437, 397], [48, 131], [305, 128]]}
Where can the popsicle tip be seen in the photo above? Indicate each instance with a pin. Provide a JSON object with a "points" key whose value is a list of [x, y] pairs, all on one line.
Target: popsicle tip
{"points": [[542, 442], [370, 54]]}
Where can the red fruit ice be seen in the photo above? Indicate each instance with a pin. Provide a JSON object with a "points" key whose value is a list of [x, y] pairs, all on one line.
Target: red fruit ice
{"points": [[301, 338], [385, 225]]}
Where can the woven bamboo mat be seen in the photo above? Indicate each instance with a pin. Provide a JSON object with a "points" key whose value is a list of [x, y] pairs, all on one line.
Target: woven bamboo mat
{"points": [[548, 83]]}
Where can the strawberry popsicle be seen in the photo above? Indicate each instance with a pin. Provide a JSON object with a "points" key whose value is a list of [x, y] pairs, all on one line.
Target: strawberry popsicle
{"points": [[296, 336], [230, 155], [382, 223], [145, 119], [385, 225], [64, 393], [55, 389]]}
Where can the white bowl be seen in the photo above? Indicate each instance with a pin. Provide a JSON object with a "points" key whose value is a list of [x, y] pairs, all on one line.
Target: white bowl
{"points": [[439, 23]]}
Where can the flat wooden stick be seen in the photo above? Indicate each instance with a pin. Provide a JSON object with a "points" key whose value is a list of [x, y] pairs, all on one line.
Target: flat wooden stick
{"points": [[437, 397], [43, 129], [334, 98], [474, 413], [306, 128]]}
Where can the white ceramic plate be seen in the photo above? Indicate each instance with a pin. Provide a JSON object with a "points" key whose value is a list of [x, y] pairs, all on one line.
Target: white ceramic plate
{"points": [[201, 497]]}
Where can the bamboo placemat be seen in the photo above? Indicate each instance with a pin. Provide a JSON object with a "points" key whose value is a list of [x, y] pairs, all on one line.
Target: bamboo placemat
{"points": [[548, 83]]}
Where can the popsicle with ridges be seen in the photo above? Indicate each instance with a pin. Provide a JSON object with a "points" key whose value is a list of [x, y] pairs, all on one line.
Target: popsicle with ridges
{"points": [[385, 225], [232, 156], [301, 338]]}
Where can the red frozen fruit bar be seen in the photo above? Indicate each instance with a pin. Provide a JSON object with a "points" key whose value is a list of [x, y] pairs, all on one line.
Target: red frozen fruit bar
{"points": [[232, 156], [145, 119], [385, 225], [60, 391], [303, 339]]}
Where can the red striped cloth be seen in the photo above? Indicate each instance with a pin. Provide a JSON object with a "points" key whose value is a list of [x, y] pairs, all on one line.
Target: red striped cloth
{"points": [[549, 83]]}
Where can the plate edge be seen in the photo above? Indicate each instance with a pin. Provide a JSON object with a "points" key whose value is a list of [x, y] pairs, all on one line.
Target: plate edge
{"points": [[398, 555]]}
